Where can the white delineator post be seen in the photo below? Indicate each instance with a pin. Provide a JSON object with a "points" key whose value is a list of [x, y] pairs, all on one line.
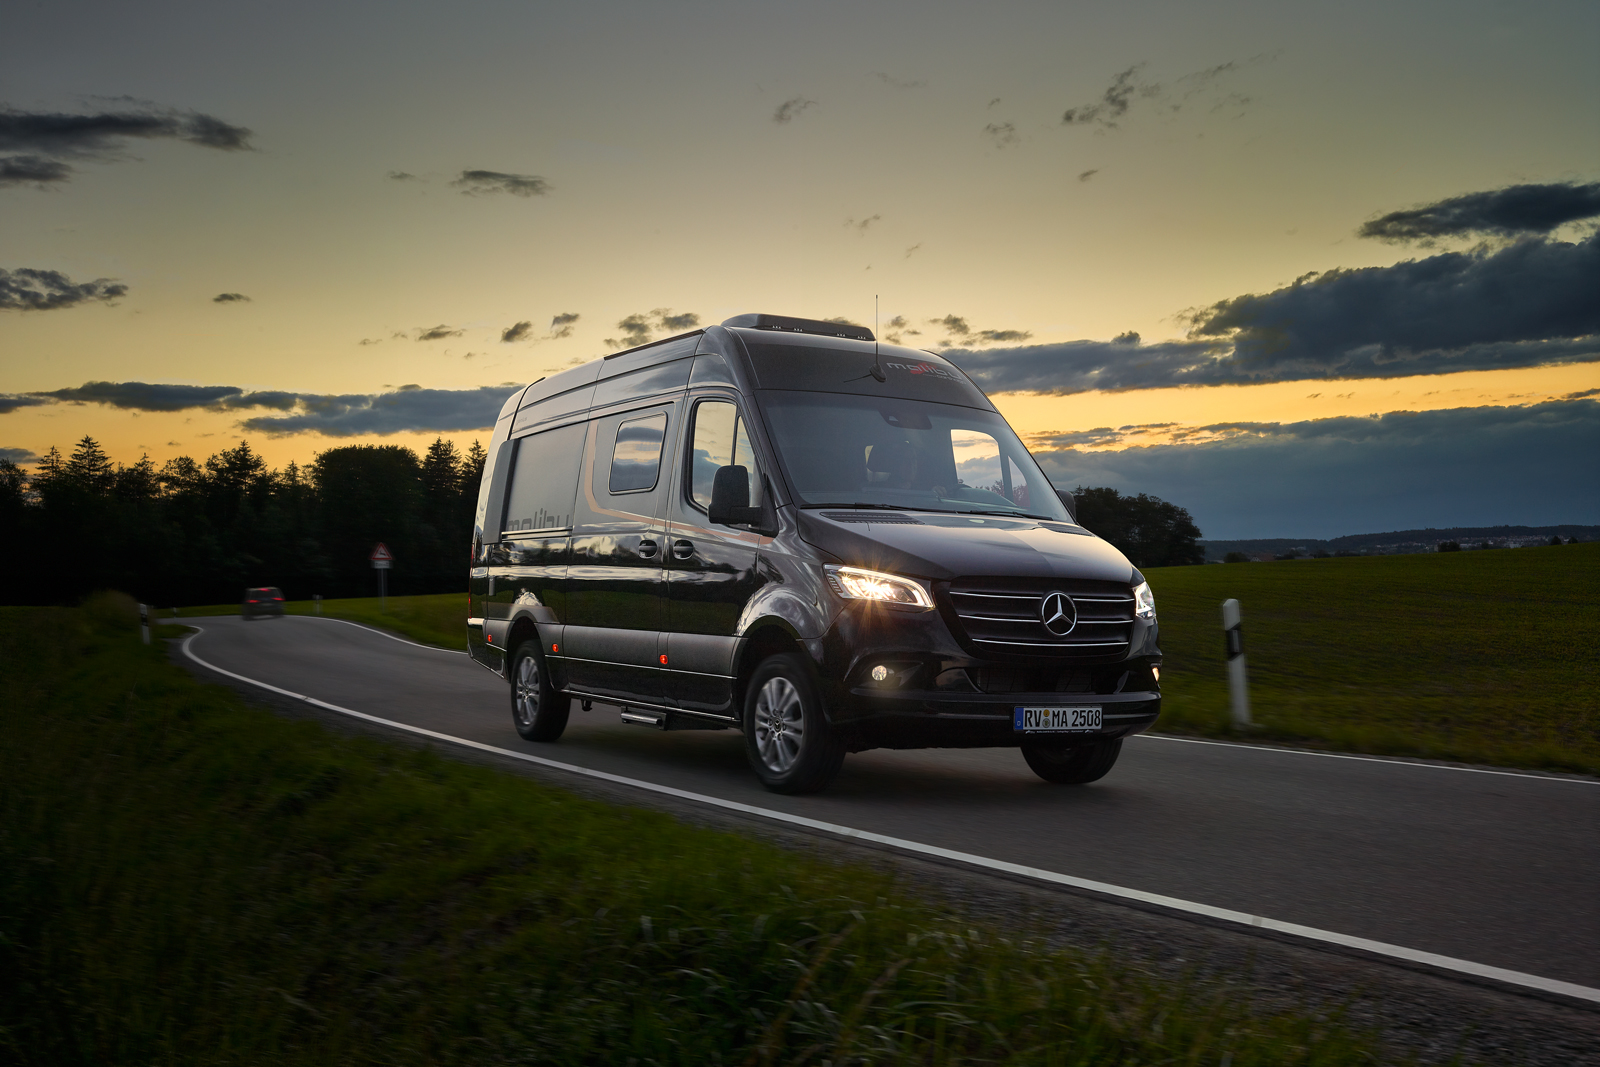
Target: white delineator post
{"points": [[1238, 687], [144, 622], [317, 600]]}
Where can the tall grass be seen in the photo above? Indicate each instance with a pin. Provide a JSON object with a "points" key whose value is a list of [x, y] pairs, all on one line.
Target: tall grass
{"points": [[186, 880], [1479, 656]]}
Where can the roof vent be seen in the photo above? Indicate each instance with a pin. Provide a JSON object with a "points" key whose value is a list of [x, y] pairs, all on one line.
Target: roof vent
{"points": [[793, 325]]}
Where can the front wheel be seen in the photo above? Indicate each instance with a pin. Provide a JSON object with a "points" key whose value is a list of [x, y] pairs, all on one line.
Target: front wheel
{"points": [[1071, 764], [791, 745], [537, 711]]}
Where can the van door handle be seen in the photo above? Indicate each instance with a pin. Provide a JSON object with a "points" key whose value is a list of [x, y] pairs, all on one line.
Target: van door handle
{"points": [[647, 548], [682, 549]]}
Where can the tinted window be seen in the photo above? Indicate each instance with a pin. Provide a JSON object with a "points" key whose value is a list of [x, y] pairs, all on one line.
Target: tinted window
{"points": [[720, 438], [825, 369], [636, 458], [544, 480]]}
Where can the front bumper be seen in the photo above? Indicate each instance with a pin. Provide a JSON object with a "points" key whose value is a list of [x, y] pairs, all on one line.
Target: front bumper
{"points": [[928, 719]]}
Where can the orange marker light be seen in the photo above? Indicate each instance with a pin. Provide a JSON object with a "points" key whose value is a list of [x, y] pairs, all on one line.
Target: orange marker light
{"points": [[555, 648], [663, 660]]}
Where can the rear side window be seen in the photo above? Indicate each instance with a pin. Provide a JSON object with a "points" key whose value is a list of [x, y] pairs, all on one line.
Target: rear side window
{"points": [[544, 480], [720, 438], [636, 458]]}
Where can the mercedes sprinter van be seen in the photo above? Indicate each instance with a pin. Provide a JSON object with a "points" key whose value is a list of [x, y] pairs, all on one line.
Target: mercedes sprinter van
{"points": [[779, 526]]}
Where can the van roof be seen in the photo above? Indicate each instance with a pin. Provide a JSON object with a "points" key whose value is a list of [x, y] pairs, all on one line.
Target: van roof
{"points": [[824, 327]]}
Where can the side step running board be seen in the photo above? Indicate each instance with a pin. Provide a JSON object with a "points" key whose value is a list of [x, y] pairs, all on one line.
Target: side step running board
{"points": [[666, 720]]}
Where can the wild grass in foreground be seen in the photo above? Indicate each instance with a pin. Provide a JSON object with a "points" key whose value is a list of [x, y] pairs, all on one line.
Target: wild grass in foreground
{"points": [[187, 880], [435, 619], [1486, 657]]}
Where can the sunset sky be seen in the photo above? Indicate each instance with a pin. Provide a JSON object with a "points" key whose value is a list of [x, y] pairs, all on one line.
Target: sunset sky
{"points": [[1356, 243]]}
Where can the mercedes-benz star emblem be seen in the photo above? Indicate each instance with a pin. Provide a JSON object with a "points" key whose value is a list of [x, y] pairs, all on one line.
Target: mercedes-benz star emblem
{"points": [[1058, 613]]}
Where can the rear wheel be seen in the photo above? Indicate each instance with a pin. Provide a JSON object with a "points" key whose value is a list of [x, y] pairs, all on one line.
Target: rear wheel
{"points": [[791, 745], [537, 710], [1071, 764]]}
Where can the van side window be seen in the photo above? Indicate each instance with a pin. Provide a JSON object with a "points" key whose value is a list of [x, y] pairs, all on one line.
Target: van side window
{"points": [[636, 459], [544, 480], [720, 438]]}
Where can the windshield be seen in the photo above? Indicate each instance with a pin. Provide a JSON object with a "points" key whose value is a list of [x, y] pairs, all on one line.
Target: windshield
{"points": [[848, 451]]}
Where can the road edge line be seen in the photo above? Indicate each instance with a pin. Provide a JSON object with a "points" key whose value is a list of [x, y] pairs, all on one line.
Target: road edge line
{"points": [[1367, 759], [1190, 907]]}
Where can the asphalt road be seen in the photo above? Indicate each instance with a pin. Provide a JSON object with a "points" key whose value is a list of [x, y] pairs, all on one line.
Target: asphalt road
{"points": [[1498, 869]]}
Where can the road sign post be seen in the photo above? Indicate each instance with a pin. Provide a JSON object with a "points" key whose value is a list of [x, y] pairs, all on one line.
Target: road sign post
{"points": [[1233, 643], [382, 560]]}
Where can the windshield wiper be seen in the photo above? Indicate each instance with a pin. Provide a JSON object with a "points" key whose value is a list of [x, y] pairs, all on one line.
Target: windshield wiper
{"points": [[1010, 514], [884, 507]]}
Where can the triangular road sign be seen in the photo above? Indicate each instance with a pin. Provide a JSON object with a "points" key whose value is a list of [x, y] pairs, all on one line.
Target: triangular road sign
{"points": [[381, 553]]}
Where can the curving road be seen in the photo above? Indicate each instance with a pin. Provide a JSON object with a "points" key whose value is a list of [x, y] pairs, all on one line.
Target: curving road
{"points": [[1500, 869]]}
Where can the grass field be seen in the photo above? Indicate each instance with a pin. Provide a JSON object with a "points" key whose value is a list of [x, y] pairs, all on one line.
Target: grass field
{"points": [[1485, 657], [187, 880]]}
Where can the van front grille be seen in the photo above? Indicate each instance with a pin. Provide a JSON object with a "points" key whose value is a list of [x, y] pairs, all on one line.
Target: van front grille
{"points": [[1001, 616]]}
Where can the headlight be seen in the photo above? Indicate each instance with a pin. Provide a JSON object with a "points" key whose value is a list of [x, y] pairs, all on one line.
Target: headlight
{"points": [[1144, 601], [854, 583]]}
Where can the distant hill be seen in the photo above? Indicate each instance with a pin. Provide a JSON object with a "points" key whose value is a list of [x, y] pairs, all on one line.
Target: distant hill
{"points": [[1398, 542]]}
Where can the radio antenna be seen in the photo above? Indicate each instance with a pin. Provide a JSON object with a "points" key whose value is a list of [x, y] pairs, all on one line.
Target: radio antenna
{"points": [[877, 371]]}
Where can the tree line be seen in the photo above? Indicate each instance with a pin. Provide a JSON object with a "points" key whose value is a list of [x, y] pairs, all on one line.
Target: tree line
{"points": [[200, 533]]}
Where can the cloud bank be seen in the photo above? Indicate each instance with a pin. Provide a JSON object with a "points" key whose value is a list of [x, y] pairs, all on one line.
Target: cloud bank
{"points": [[1508, 212], [1528, 304], [18, 455], [639, 328], [43, 140], [230, 298], [1329, 477], [29, 289]]}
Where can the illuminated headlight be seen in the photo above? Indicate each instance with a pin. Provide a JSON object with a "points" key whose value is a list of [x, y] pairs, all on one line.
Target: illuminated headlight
{"points": [[854, 583], [1144, 601]]}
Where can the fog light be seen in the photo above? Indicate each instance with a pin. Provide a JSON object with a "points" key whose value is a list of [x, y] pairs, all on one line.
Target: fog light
{"points": [[879, 673], [1155, 673]]}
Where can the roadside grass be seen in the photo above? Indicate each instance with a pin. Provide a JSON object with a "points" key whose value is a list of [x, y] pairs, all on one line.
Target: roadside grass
{"points": [[438, 619], [185, 879], [1483, 657]]}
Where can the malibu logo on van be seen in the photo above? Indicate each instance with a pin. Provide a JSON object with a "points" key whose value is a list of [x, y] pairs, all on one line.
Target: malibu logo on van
{"points": [[926, 368]]}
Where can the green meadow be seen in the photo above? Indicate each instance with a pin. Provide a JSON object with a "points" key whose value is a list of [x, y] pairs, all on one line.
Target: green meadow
{"points": [[186, 879], [1484, 657]]}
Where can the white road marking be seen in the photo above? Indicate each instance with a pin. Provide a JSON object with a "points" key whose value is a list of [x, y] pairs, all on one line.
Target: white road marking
{"points": [[380, 633], [1371, 759], [1310, 933]]}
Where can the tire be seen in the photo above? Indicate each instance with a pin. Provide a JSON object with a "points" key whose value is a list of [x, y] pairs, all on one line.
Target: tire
{"points": [[1071, 764], [791, 745], [537, 711]]}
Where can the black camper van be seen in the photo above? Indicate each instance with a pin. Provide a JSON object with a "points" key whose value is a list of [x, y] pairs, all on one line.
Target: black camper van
{"points": [[779, 526]]}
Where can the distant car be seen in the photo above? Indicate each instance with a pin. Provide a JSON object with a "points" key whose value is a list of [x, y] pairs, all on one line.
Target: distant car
{"points": [[263, 600]]}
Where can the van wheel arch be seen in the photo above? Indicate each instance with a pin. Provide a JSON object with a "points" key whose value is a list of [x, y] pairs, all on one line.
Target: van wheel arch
{"points": [[768, 637]]}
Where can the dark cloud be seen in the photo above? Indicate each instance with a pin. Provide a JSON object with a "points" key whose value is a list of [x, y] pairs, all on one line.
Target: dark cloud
{"points": [[1529, 304], [1002, 133], [32, 170], [230, 298], [101, 134], [520, 331], [144, 396], [995, 336], [1129, 338], [28, 289], [959, 327], [407, 409], [10, 402], [489, 182], [402, 176], [791, 109], [1129, 88], [897, 329], [1086, 175], [1328, 477], [862, 225], [437, 333], [639, 329], [561, 326], [1508, 212], [18, 455], [370, 341], [45, 140]]}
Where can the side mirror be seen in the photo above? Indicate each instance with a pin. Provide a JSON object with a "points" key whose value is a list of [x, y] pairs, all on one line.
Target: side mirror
{"points": [[730, 497], [1068, 503]]}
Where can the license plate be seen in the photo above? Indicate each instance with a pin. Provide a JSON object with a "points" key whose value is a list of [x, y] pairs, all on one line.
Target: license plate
{"points": [[1056, 720]]}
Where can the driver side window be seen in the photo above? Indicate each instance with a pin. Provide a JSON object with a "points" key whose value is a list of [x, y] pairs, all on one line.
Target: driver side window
{"points": [[720, 438]]}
